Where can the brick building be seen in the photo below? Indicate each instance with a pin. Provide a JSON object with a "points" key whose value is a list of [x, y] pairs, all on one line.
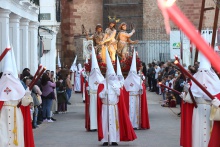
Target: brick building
{"points": [[144, 13]]}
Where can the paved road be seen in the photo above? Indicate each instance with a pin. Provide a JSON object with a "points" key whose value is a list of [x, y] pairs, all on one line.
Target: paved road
{"points": [[69, 131]]}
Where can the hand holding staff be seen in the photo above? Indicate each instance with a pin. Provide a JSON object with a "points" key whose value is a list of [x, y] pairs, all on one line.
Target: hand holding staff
{"points": [[190, 92], [194, 80]]}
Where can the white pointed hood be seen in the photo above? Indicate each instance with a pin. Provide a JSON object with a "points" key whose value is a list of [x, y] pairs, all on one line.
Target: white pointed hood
{"points": [[204, 62], [10, 86], [133, 81], [111, 77], [73, 66], [207, 77], [119, 73], [133, 64], [94, 60], [109, 66], [15, 71], [58, 61], [95, 76]]}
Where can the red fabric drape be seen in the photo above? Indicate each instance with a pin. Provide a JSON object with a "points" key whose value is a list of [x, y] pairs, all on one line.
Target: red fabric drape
{"points": [[28, 133], [215, 135]]}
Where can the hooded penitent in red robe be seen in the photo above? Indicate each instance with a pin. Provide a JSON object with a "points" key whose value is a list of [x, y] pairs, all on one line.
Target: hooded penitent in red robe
{"points": [[126, 130], [28, 133], [145, 124]]}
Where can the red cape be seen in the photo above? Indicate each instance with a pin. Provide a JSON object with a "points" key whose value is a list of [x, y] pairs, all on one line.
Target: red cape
{"points": [[145, 124], [186, 124], [87, 116], [28, 133], [82, 81], [215, 135], [126, 130]]}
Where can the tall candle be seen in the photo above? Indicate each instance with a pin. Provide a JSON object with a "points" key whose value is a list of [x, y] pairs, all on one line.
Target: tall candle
{"points": [[35, 80], [35, 75], [4, 53], [169, 88], [172, 11]]}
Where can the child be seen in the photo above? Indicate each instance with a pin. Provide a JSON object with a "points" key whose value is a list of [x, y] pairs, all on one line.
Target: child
{"points": [[170, 100], [61, 96]]}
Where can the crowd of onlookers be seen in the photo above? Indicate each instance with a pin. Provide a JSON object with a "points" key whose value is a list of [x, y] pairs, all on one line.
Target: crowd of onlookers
{"points": [[169, 75], [51, 95]]}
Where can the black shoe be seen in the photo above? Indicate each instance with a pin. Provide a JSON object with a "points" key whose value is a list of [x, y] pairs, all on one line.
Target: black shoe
{"points": [[114, 144], [105, 144], [179, 114], [68, 103], [53, 119], [93, 130], [84, 101], [135, 128]]}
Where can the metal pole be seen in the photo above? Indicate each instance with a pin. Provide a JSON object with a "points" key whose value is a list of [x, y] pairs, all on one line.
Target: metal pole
{"points": [[107, 111], [140, 103], [200, 25], [215, 26]]}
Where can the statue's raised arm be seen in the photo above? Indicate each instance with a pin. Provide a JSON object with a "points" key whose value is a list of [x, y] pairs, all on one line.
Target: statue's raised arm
{"points": [[124, 39]]}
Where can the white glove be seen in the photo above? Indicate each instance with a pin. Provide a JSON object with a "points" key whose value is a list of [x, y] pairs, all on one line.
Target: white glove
{"points": [[216, 102], [87, 88], [27, 92], [182, 95], [186, 87], [117, 91]]}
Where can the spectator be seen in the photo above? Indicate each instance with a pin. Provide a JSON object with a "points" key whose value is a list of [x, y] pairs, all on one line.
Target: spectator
{"points": [[36, 94], [47, 97], [69, 88]]}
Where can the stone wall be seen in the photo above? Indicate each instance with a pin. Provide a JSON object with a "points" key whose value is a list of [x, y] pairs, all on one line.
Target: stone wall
{"points": [[90, 13], [74, 14]]}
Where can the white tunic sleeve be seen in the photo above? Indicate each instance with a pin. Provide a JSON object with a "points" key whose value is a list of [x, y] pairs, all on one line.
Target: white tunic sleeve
{"points": [[102, 94], [26, 100]]}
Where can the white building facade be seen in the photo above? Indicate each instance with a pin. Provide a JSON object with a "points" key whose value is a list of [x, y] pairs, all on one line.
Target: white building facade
{"points": [[19, 21], [49, 27]]}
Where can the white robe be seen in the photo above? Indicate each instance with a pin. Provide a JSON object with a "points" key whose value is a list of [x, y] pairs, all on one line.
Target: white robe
{"points": [[7, 119], [93, 109], [134, 109], [201, 123], [114, 135], [77, 85]]}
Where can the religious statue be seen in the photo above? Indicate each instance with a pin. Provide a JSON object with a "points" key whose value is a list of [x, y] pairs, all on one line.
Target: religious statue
{"points": [[109, 40], [123, 40], [97, 37]]}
